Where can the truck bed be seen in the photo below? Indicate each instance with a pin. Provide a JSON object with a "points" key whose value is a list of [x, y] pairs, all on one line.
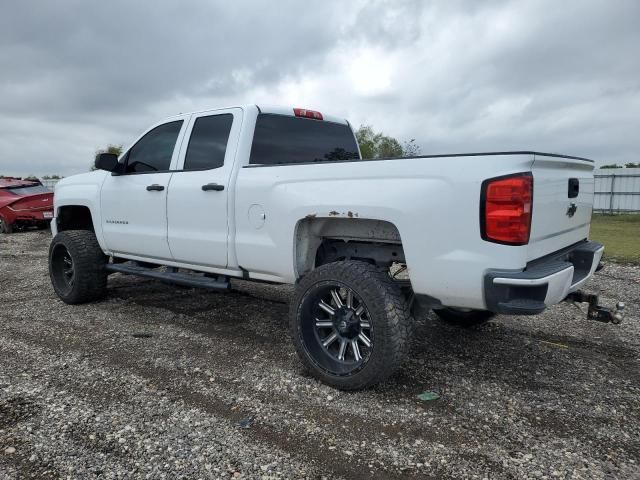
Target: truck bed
{"points": [[432, 200]]}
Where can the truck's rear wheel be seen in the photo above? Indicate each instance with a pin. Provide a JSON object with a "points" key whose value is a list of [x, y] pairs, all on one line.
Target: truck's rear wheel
{"points": [[76, 266], [464, 318], [350, 324]]}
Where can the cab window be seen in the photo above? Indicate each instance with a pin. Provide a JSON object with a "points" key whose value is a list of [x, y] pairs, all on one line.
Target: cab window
{"points": [[283, 139], [153, 152], [208, 142]]}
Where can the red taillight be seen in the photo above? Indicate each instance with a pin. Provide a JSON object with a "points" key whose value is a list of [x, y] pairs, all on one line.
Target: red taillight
{"points": [[506, 209], [303, 112]]}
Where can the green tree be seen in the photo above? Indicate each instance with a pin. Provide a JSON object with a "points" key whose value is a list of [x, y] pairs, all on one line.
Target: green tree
{"points": [[632, 165], [117, 149], [377, 145], [611, 165]]}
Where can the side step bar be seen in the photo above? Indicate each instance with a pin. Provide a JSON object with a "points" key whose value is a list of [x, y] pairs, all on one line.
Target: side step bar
{"points": [[170, 275]]}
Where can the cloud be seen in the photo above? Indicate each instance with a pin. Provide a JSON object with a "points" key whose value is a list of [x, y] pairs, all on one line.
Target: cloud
{"points": [[456, 76]]}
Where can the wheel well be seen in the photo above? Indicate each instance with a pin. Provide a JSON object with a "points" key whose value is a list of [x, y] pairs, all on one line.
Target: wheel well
{"points": [[325, 240], [74, 217]]}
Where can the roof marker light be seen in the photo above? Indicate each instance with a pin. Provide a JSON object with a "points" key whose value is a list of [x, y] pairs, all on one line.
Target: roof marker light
{"points": [[303, 112]]}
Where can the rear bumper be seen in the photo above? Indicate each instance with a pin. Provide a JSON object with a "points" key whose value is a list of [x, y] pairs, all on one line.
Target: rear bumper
{"points": [[544, 282]]}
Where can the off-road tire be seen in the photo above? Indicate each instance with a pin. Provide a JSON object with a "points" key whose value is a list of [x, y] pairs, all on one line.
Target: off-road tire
{"points": [[464, 319], [89, 266], [5, 227], [389, 311]]}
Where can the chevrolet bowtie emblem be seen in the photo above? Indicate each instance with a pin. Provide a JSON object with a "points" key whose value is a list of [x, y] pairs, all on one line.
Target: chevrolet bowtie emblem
{"points": [[571, 211]]}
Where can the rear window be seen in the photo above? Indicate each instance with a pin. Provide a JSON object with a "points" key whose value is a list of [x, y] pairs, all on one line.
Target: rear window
{"points": [[281, 139], [27, 190]]}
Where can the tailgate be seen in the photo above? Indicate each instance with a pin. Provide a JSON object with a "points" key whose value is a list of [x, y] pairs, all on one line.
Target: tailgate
{"points": [[562, 203]]}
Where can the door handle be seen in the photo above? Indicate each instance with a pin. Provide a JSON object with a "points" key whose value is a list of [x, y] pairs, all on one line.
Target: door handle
{"points": [[212, 186], [155, 188]]}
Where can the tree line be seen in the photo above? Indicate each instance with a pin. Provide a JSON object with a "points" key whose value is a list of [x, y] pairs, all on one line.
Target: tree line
{"points": [[626, 165], [33, 177]]}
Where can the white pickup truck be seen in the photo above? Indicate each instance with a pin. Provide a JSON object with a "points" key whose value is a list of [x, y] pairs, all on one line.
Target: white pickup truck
{"points": [[282, 195]]}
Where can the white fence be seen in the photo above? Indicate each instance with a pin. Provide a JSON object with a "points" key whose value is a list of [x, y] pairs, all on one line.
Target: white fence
{"points": [[617, 190], [50, 182]]}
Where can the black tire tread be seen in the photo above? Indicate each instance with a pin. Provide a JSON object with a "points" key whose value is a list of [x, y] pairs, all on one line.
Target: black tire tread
{"points": [[89, 263], [388, 298]]}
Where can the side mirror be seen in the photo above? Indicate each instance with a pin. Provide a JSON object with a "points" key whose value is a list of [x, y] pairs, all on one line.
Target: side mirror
{"points": [[108, 162]]}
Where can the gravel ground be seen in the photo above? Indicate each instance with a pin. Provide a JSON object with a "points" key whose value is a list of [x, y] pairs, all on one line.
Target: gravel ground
{"points": [[160, 382]]}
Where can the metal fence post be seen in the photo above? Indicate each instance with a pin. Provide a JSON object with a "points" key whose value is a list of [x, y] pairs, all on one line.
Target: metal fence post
{"points": [[613, 183]]}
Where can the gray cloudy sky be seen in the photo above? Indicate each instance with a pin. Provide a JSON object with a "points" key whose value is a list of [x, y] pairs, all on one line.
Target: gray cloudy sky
{"points": [[455, 75]]}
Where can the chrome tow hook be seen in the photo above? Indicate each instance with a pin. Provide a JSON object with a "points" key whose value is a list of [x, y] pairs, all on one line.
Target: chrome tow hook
{"points": [[598, 312]]}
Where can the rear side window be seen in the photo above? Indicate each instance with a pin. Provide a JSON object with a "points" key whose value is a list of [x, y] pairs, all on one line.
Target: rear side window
{"points": [[282, 139], [153, 152], [208, 142]]}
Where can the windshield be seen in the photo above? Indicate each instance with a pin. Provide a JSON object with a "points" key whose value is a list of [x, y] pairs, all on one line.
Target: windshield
{"points": [[30, 190]]}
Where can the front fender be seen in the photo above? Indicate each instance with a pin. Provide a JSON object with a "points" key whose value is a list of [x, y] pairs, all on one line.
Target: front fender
{"points": [[83, 191]]}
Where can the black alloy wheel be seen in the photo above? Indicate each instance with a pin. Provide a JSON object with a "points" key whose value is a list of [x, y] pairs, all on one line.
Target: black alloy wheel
{"points": [[337, 329]]}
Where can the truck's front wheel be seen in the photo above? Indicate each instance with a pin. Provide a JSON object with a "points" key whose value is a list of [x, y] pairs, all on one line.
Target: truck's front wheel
{"points": [[350, 324], [77, 266]]}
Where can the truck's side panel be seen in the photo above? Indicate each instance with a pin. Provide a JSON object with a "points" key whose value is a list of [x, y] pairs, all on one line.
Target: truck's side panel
{"points": [[435, 207]]}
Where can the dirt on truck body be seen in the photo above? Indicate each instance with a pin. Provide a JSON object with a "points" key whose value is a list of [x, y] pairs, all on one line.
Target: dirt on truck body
{"points": [[207, 385]]}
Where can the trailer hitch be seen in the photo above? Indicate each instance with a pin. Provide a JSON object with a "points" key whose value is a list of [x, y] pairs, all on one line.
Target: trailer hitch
{"points": [[597, 312]]}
